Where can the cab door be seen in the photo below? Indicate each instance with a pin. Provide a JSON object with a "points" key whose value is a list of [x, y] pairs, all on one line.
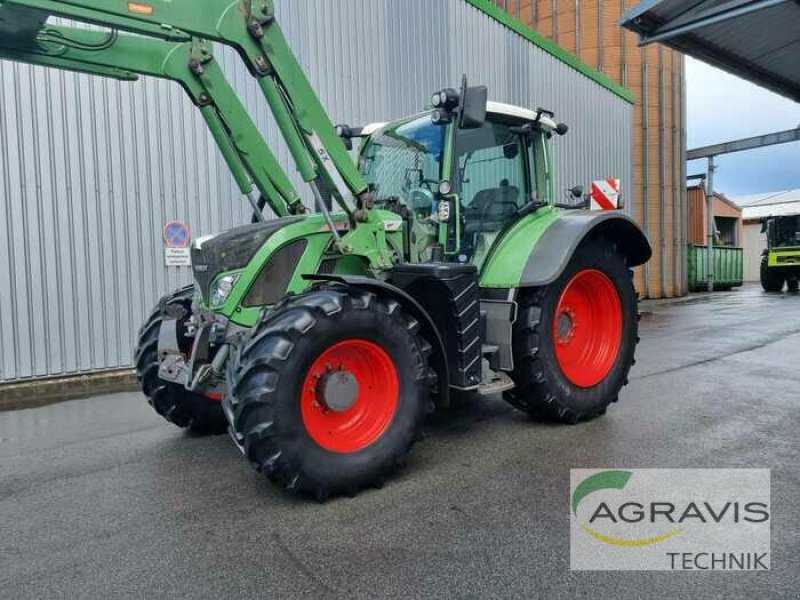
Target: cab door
{"points": [[492, 178]]}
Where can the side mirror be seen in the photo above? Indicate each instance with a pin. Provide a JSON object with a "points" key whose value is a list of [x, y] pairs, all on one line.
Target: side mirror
{"points": [[763, 227], [577, 191], [562, 128], [473, 107]]}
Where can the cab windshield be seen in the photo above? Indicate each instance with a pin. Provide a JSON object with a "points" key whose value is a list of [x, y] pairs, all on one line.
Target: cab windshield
{"points": [[405, 161], [785, 231]]}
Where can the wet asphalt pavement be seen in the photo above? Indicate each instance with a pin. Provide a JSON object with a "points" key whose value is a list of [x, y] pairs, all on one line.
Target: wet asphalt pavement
{"points": [[101, 498]]}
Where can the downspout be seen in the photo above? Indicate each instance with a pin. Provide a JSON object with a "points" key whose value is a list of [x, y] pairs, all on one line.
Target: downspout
{"points": [[623, 55], [676, 181], [600, 40], [645, 166], [662, 171], [684, 191]]}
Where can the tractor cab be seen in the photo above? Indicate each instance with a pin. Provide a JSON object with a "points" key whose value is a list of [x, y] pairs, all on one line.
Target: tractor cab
{"points": [[458, 187], [783, 232], [500, 168]]}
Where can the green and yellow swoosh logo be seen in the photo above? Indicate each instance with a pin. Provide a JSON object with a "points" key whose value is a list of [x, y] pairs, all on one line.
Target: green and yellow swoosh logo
{"points": [[615, 480], [615, 541], [604, 480]]}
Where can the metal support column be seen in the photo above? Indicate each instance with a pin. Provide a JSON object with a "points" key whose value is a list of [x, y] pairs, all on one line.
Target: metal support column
{"points": [[711, 225]]}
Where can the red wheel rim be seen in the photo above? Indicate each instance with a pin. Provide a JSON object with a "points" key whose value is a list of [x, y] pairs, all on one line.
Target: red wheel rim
{"points": [[587, 328], [373, 403]]}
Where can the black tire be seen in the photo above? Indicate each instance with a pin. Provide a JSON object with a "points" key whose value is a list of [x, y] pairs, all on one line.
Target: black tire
{"points": [[771, 278], [265, 388], [542, 389], [792, 285], [180, 407]]}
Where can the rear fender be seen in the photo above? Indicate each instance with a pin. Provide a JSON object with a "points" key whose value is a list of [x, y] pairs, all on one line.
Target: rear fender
{"points": [[535, 252]]}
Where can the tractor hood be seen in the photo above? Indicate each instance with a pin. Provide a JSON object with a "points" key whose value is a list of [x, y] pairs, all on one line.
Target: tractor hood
{"points": [[231, 250]]}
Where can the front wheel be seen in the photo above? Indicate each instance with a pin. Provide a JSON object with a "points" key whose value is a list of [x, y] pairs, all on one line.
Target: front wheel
{"points": [[574, 339], [195, 412], [329, 392], [771, 278]]}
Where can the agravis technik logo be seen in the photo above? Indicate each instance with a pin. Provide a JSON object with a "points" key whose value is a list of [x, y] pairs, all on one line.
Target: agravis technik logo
{"points": [[672, 519]]}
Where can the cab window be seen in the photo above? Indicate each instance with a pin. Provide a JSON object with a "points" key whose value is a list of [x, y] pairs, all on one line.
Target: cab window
{"points": [[405, 161], [492, 178], [491, 166]]}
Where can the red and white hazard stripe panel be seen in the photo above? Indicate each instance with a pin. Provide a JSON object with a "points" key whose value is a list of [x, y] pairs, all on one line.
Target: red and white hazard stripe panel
{"points": [[605, 194]]}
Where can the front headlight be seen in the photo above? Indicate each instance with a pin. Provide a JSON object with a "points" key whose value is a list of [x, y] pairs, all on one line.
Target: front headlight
{"points": [[222, 289]]}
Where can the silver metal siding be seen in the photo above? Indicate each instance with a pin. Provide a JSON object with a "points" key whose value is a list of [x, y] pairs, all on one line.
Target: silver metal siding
{"points": [[91, 169]]}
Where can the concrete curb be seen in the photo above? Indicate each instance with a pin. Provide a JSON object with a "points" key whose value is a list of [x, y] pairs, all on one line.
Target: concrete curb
{"points": [[39, 392]]}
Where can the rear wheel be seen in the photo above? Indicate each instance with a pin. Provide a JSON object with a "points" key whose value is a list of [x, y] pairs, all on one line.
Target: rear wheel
{"points": [[792, 285], [180, 407], [771, 278], [329, 392], [574, 340]]}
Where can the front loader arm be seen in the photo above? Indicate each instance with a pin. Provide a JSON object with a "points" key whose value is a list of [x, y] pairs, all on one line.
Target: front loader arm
{"points": [[250, 27], [191, 64]]}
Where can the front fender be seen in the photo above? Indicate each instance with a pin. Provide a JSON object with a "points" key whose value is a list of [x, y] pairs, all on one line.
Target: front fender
{"points": [[537, 250]]}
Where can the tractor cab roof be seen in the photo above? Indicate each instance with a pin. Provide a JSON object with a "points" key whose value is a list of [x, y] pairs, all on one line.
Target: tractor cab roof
{"points": [[511, 110], [495, 108]]}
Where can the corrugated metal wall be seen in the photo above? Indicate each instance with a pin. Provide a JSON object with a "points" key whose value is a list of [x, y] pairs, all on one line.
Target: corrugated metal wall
{"points": [[90, 169]]}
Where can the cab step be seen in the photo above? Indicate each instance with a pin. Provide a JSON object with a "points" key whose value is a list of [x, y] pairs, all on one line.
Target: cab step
{"points": [[496, 383]]}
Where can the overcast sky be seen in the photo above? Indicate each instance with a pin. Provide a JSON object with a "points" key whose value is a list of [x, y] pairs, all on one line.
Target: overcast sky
{"points": [[722, 108]]}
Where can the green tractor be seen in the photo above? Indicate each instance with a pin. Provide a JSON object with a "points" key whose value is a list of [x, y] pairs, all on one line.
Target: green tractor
{"points": [[437, 262], [780, 261]]}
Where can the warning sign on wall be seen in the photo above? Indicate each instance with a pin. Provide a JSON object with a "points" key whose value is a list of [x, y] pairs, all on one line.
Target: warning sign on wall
{"points": [[177, 257], [177, 237]]}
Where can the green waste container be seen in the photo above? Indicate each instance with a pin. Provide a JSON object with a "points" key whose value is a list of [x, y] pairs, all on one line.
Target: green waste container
{"points": [[728, 267]]}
